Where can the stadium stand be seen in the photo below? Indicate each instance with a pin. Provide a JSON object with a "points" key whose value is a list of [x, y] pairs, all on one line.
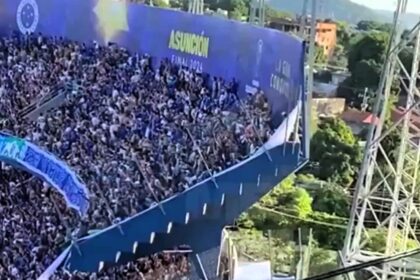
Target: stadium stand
{"points": [[126, 114], [151, 140]]}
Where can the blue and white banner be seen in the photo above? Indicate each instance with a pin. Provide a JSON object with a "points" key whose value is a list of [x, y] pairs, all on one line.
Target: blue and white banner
{"points": [[24, 155]]}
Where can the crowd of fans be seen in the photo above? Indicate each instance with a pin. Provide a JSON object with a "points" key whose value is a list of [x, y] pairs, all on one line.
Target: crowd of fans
{"points": [[130, 131]]}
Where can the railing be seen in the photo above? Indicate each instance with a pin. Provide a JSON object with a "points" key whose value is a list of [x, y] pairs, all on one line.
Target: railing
{"points": [[54, 92]]}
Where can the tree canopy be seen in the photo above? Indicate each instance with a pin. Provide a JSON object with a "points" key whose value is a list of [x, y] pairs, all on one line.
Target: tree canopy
{"points": [[235, 8], [273, 13], [369, 25], [286, 195], [343, 34], [335, 152], [339, 57], [365, 57], [332, 199], [320, 57], [372, 46], [161, 4]]}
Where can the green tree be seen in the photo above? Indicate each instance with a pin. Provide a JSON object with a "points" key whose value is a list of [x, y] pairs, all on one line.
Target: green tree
{"points": [[329, 237], [343, 34], [237, 9], [331, 205], [255, 243], [323, 261], [288, 207], [271, 13], [406, 57], [331, 199], [347, 91], [339, 58], [245, 221], [218, 4], [287, 196], [372, 46], [390, 143], [376, 241], [335, 153], [262, 219], [270, 200], [320, 57], [314, 120], [236, 14], [366, 73], [368, 25], [365, 59], [160, 4], [179, 4]]}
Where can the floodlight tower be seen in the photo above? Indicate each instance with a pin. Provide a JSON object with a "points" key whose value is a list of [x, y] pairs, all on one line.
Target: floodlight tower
{"points": [[387, 193], [196, 7], [257, 12]]}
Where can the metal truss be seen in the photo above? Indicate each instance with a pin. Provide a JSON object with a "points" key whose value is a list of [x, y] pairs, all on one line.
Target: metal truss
{"points": [[387, 194]]}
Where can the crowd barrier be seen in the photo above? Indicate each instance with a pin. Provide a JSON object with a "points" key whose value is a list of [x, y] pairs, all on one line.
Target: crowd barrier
{"points": [[30, 111]]}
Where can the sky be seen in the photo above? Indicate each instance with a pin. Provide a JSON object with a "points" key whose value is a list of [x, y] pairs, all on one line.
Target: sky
{"points": [[413, 5]]}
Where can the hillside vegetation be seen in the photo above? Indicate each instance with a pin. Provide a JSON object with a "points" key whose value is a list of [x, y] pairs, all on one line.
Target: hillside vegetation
{"points": [[343, 10]]}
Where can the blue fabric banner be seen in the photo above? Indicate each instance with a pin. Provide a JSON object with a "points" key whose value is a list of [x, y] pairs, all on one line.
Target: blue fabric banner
{"points": [[257, 57], [24, 155]]}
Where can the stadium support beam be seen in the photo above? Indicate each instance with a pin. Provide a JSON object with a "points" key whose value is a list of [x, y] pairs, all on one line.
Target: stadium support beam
{"points": [[257, 12], [387, 196], [311, 52], [196, 7]]}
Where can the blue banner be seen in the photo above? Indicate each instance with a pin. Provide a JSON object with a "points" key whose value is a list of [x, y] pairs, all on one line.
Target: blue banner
{"points": [[257, 57], [24, 155]]}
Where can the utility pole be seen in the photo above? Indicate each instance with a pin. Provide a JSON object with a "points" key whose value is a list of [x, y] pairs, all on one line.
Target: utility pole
{"points": [[270, 254], [311, 56], [300, 264], [302, 267], [307, 256]]}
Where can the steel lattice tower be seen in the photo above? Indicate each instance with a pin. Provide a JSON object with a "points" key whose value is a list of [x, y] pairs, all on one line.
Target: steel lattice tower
{"points": [[387, 193]]}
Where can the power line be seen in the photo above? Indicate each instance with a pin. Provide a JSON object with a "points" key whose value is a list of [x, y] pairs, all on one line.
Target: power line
{"points": [[364, 265], [329, 215], [282, 213], [300, 218]]}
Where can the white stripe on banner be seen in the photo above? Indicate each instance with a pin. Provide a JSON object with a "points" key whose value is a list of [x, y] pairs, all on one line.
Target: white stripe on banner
{"points": [[54, 266]]}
